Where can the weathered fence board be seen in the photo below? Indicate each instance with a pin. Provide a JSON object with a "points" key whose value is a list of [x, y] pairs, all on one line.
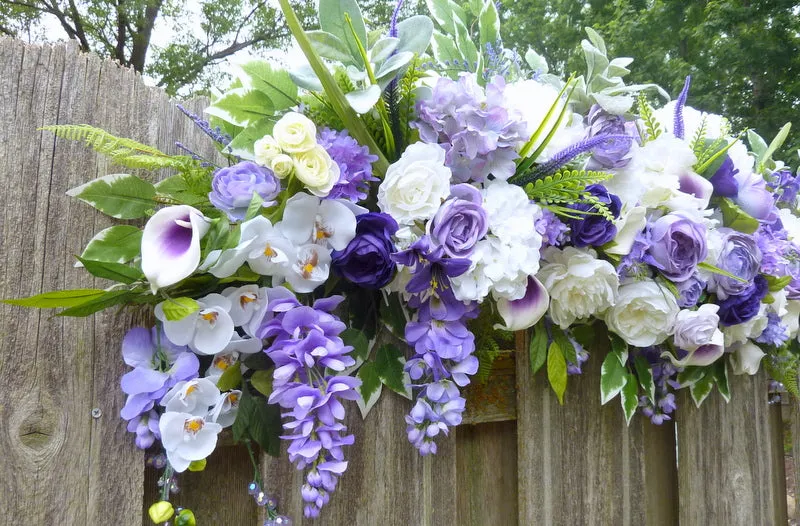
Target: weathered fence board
{"points": [[727, 472]]}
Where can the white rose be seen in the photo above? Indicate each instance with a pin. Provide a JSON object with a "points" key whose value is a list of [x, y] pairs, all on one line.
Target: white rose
{"points": [[746, 358], [316, 170], [695, 328], [644, 313], [295, 133], [416, 185], [580, 285], [281, 165], [266, 149]]}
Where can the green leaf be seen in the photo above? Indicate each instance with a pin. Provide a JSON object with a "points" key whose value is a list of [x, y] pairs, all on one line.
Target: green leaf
{"points": [[242, 106], [777, 284], [122, 196], [231, 378], [255, 207], [612, 377], [258, 421], [393, 314], [108, 299], [370, 388], [690, 375], [619, 347], [415, 34], [58, 298], [702, 388], [119, 272], [178, 308], [332, 19], [557, 371], [274, 83], [242, 144], [536, 61], [645, 375], [389, 362], [776, 143], [719, 370], [465, 44], [757, 144], [734, 217], [489, 25], [330, 46], [564, 343], [444, 49], [116, 244], [358, 341], [538, 347], [258, 361], [716, 270], [629, 396], [262, 381]]}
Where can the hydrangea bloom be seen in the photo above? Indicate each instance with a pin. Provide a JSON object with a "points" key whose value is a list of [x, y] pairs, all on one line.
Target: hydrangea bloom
{"points": [[355, 164]]}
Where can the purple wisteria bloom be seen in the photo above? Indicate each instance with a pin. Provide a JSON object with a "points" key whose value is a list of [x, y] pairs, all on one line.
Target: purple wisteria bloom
{"points": [[431, 266], [355, 165], [476, 129], [305, 343], [785, 186], [665, 379], [158, 365], [233, 187]]}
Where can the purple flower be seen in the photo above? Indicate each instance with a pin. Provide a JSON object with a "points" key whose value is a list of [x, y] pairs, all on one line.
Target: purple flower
{"points": [[366, 260], [677, 245], [690, 291], [552, 229], [232, 188], [614, 153], [775, 333], [355, 165], [740, 308], [431, 267], [753, 196], [593, 229], [146, 428], [724, 180], [739, 256], [460, 222], [785, 186]]}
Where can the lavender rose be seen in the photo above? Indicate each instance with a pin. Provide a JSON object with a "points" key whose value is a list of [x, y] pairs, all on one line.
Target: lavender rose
{"points": [[591, 229], [743, 307], [690, 291], [677, 245], [366, 260], [460, 222], [741, 257], [613, 153], [233, 187]]}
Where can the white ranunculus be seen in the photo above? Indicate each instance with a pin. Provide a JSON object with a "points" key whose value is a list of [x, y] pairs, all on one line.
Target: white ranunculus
{"points": [[171, 245], [415, 186], [266, 149], [281, 165], [579, 284], [694, 328], [752, 328], [644, 313], [746, 358], [187, 438], [316, 170], [295, 133]]}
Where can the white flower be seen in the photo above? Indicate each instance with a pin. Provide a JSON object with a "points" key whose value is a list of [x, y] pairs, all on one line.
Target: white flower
{"points": [[694, 328], [206, 331], [629, 225], [791, 223], [193, 397], [225, 263], [752, 328], [221, 363], [526, 311], [171, 245], [281, 165], [316, 170], [266, 149], [187, 438], [580, 285], [792, 318], [225, 408], [295, 133], [511, 215], [644, 313], [310, 268], [325, 222], [415, 186], [746, 358]]}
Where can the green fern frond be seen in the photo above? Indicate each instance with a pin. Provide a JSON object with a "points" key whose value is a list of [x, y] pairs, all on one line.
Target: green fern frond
{"points": [[698, 143], [121, 151], [652, 127], [568, 187], [783, 367]]}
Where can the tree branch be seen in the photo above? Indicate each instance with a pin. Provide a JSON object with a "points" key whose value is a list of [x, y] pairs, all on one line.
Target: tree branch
{"points": [[141, 38]]}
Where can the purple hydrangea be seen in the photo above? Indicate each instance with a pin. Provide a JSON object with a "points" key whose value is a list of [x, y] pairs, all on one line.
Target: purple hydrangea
{"points": [[233, 187], [304, 344], [552, 229], [355, 165], [474, 126]]}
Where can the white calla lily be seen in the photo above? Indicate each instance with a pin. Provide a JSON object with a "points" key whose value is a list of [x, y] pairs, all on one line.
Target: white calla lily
{"points": [[746, 358], [171, 245], [526, 311], [187, 438]]}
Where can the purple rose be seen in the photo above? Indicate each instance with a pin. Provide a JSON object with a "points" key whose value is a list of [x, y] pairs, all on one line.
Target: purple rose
{"points": [[366, 260], [738, 309], [232, 188], [614, 152], [677, 245], [460, 222], [724, 180], [593, 229], [741, 257]]}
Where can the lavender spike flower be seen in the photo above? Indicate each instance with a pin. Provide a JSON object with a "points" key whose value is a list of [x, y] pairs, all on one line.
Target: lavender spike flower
{"points": [[393, 24], [215, 133], [677, 127]]}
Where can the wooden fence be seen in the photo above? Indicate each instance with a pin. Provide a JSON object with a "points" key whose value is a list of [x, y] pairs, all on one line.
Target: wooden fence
{"points": [[522, 459]]}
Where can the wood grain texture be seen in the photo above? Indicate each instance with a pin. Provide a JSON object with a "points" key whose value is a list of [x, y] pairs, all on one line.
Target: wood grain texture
{"points": [[579, 463], [727, 474], [495, 399]]}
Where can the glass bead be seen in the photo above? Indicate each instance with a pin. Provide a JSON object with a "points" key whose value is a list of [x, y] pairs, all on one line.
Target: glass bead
{"points": [[173, 486], [253, 488]]}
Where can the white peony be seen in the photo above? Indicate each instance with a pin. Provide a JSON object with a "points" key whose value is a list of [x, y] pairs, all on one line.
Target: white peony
{"points": [[580, 285], [644, 313], [295, 133], [415, 186], [316, 170]]}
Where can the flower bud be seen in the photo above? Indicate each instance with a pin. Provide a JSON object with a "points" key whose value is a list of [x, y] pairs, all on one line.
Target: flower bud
{"points": [[161, 511], [198, 465]]}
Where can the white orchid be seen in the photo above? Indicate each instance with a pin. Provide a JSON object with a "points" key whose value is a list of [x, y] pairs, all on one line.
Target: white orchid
{"points": [[187, 438], [245, 301], [224, 263], [225, 408], [326, 222], [171, 245], [193, 397], [221, 363], [206, 331], [310, 268]]}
